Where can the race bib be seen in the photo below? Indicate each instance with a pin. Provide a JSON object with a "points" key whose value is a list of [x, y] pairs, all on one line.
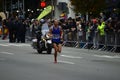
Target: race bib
{"points": [[56, 36]]}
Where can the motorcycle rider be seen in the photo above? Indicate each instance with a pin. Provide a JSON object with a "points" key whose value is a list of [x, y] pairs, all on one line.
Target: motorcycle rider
{"points": [[38, 32]]}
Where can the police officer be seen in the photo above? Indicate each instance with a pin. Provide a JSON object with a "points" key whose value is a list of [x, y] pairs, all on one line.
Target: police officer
{"points": [[10, 25], [20, 31]]}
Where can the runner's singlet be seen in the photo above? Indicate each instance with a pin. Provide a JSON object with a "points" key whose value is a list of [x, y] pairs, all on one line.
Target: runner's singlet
{"points": [[56, 35]]}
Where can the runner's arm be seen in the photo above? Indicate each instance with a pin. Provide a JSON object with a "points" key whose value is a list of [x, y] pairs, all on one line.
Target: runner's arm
{"points": [[61, 33]]}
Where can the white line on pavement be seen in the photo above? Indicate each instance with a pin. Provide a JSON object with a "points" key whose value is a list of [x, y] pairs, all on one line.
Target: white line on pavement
{"points": [[66, 62], [67, 56], [106, 56], [7, 53], [13, 44], [4, 45], [25, 45], [19, 45]]}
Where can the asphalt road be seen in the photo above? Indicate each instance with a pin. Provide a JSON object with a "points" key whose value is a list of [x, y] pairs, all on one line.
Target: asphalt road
{"points": [[21, 62]]}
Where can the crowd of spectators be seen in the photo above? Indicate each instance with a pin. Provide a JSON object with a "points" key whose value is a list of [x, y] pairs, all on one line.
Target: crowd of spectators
{"points": [[102, 30]]}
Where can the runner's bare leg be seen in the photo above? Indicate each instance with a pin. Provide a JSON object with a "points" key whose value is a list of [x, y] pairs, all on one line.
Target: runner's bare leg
{"points": [[55, 52]]}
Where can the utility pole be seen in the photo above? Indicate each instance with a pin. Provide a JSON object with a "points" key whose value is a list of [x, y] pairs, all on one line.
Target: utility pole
{"points": [[18, 5], [23, 8], [11, 6], [52, 13]]}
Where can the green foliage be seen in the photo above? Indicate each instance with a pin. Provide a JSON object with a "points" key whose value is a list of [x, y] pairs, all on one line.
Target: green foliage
{"points": [[83, 6]]}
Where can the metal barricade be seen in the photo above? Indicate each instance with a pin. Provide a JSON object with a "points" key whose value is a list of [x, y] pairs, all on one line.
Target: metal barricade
{"points": [[109, 42]]}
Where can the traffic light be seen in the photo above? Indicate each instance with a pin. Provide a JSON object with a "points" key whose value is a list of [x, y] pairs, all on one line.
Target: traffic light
{"points": [[42, 4]]}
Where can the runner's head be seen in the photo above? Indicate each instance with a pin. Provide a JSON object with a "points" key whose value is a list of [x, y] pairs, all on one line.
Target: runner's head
{"points": [[56, 22]]}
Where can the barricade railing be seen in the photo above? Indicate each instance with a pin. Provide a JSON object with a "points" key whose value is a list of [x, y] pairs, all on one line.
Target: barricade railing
{"points": [[110, 42]]}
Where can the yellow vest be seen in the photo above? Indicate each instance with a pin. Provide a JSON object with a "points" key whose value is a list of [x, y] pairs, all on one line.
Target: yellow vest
{"points": [[101, 28]]}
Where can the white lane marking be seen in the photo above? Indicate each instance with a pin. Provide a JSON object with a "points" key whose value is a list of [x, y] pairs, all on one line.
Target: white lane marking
{"points": [[10, 44], [66, 62], [106, 56], [25, 45], [7, 53], [13, 44], [68, 56], [4, 45]]}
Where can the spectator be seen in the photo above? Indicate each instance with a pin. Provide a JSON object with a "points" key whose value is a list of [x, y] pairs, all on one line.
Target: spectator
{"points": [[80, 31], [101, 26]]}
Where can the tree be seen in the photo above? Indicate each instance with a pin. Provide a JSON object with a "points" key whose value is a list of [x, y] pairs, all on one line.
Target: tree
{"points": [[89, 6]]}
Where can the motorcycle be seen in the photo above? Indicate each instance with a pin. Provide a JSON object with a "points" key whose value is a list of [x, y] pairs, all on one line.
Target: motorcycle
{"points": [[44, 44]]}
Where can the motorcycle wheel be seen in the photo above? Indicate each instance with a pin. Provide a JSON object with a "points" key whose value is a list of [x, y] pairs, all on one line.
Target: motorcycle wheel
{"points": [[49, 50], [39, 51]]}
